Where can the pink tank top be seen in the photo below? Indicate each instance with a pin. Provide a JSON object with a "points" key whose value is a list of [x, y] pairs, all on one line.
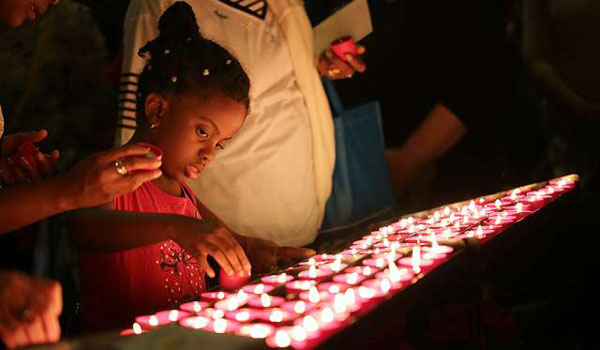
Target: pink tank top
{"points": [[117, 287]]}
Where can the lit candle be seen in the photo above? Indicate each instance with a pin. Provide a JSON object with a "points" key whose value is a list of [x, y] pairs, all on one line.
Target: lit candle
{"points": [[277, 280], [194, 306], [234, 281], [149, 322], [380, 287], [281, 339], [221, 325], [256, 330], [258, 288], [264, 301], [195, 322], [379, 263], [214, 296], [297, 306], [243, 315], [349, 278], [170, 316], [314, 273], [332, 287], [278, 315], [299, 286], [134, 330]]}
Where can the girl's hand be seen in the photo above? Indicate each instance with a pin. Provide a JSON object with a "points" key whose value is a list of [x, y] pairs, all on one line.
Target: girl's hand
{"points": [[265, 254], [104, 176], [29, 310], [332, 67], [17, 169], [201, 238]]}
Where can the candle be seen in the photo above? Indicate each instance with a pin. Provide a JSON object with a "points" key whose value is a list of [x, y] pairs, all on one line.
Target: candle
{"points": [[134, 330], [258, 288], [194, 306], [170, 316], [149, 322], [277, 280], [297, 334], [297, 306], [415, 261], [276, 315], [243, 315], [195, 322], [328, 319], [214, 296], [231, 303], [362, 270], [349, 278], [233, 282], [314, 296], [381, 287], [221, 325], [332, 287], [298, 286], [256, 330], [314, 273], [336, 265], [281, 339], [264, 301], [398, 277], [212, 312], [379, 263]]}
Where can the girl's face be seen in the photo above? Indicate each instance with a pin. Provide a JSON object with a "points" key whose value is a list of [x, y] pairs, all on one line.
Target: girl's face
{"points": [[190, 131], [14, 12]]}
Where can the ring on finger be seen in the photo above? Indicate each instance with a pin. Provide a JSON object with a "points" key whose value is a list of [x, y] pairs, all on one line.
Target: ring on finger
{"points": [[120, 168]]}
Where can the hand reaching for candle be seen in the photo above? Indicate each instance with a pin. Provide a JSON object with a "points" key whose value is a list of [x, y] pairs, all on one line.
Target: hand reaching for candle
{"points": [[22, 162], [29, 310], [334, 68], [264, 255]]}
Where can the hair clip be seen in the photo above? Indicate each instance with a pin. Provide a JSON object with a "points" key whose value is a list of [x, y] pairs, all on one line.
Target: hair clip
{"points": [[167, 51], [228, 62], [206, 72], [174, 78]]}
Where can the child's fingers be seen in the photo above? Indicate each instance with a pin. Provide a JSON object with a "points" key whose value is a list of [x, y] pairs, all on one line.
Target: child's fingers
{"points": [[18, 176], [202, 260], [44, 164], [234, 252], [35, 136], [219, 256], [30, 170]]}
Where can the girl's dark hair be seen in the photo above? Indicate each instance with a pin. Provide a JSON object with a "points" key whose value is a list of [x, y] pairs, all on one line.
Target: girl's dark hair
{"points": [[182, 61]]}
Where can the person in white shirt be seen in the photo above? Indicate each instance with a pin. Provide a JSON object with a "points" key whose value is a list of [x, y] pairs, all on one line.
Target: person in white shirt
{"points": [[273, 180]]}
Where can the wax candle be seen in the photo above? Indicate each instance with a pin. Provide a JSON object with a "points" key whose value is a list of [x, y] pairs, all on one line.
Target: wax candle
{"points": [[230, 303], [298, 286], [377, 263], [214, 296], [314, 273], [243, 315], [314, 296], [149, 322], [351, 300], [381, 287], [335, 266], [234, 281], [281, 339], [328, 319], [194, 306], [264, 301], [212, 312], [361, 270], [415, 261], [258, 288], [332, 287], [297, 334], [256, 330], [277, 280], [221, 325], [170, 316], [134, 330], [195, 322], [349, 278], [398, 277], [297, 306], [276, 315]]}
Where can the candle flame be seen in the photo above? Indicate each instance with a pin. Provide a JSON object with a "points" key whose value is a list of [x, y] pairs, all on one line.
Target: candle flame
{"points": [[218, 314], [416, 259], [312, 271], [380, 262], [153, 321], [242, 296], [385, 285], [259, 331], [259, 289], [220, 325], [220, 295], [313, 295], [300, 307], [410, 220], [198, 322], [137, 329], [173, 315], [393, 272], [446, 211], [339, 303], [352, 278], [276, 316], [299, 333], [327, 315], [366, 293], [334, 289], [265, 300], [498, 220], [311, 261], [447, 233], [411, 229], [350, 297], [196, 306], [367, 271], [242, 316], [310, 324], [282, 339], [472, 205], [479, 231], [281, 278], [470, 233], [519, 207], [232, 304], [436, 216], [497, 203]]}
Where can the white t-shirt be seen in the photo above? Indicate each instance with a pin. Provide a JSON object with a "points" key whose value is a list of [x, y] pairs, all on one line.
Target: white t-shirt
{"points": [[263, 183]]}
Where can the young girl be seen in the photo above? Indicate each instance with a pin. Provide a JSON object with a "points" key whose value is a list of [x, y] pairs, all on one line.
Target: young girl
{"points": [[193, 97]]}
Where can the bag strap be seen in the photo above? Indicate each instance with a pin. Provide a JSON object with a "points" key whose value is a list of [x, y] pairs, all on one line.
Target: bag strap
{"points": [[334, 99]]}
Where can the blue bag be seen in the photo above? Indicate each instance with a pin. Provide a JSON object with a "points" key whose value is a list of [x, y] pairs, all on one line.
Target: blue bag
{"points": [[361, 180]]}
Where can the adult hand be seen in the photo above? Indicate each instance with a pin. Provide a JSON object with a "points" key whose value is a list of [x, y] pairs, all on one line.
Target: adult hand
{"points": [[106, 175], [264, 255], [334, 68], [29, 309], [16, 169]]}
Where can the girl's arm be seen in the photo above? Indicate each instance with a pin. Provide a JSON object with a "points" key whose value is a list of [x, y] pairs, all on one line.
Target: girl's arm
{"points": [[263, 254], [107, 230]]}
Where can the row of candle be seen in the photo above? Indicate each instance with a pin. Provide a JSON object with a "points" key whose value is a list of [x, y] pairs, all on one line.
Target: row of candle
{"points": [[323, 297]]}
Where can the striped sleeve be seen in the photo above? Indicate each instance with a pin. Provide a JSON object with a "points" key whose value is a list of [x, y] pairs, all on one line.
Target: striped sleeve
{"points": [[140, 26]]}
